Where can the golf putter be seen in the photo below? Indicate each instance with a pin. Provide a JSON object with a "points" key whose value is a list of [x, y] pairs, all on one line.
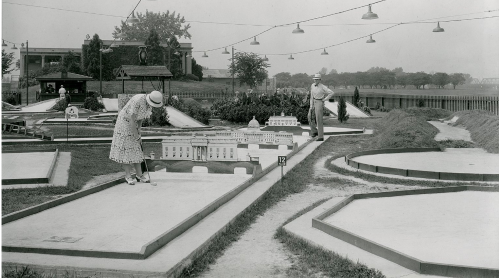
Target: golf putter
{"points": [[147, 170]]}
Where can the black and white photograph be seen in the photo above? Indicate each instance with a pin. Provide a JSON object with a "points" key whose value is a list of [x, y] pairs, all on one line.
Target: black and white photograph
{"points": [[218, 138]]}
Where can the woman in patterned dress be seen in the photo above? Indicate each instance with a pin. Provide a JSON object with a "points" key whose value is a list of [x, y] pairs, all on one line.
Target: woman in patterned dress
{"points": [[126, 145]]}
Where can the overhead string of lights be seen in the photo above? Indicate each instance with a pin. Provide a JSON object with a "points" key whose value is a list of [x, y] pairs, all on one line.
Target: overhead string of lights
{"points": [[371, 15], [295, 31], [132, 19]]}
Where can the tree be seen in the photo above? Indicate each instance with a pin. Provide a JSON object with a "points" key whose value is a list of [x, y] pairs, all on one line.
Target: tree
{"points": [[196, 69], [154, 50], [283, 79], [7, 61], [167, 25], [71, 63], [356, 97], [342, 115], [440, 79], [91, 63], [419, 79], [402, 80], [457, 79], [323, 71], [249, 68]]}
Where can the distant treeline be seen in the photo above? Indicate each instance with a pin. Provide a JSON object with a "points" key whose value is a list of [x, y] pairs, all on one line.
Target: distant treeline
{"points": [[376, 77]]}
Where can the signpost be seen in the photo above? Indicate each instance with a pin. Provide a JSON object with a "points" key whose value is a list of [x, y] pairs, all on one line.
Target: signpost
{"points": [[281, 162]]}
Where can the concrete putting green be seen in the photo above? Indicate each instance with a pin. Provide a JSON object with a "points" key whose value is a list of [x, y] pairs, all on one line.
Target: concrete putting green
{"points": [[120, 219], [459, 228], [461, 160], [27, 167]]}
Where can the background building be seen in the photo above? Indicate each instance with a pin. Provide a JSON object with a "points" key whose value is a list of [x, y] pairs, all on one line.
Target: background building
{"points": [[39, 57]]}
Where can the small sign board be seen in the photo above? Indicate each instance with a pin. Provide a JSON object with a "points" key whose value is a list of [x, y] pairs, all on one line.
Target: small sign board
{"points": [[281, 160], [71, 112]]}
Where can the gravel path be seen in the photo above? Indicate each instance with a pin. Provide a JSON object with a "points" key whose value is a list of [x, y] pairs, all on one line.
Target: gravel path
{"points": [[450, 132], [258, 254]]}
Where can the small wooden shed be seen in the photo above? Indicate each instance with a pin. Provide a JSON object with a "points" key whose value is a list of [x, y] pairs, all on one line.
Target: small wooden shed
{"points": [[149, 73], [75, 85]]}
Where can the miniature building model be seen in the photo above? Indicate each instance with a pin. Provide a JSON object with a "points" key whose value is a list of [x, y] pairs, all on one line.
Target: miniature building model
{"points": [[255, 136], [282, 120], [213, 148]]}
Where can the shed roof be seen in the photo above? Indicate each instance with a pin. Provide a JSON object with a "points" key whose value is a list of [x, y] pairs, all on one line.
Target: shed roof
{"points": [[216, 73], [128, 71], [57, 76]]}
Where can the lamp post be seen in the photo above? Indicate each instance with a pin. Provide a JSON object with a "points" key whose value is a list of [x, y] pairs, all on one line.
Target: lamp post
{"points": [[26, 62], [169, 46]]}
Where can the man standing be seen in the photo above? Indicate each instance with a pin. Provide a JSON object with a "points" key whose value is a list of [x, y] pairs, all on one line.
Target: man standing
{"points": [[319, 94], [62, 92]]}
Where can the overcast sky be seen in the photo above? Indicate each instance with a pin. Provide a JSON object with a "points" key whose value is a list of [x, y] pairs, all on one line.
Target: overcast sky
{"points": [[470, 46]]}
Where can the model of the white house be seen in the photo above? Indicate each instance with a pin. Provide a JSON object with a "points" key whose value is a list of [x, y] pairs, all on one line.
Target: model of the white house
{"points": [[200, 148], [282, 120]]}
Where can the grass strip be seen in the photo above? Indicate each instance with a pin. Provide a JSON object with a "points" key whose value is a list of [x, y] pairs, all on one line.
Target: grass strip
{"points": [[483, 127], [314, 259], [293, 182]]}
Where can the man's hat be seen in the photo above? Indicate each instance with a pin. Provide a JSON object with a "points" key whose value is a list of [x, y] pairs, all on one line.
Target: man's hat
{"points": [[317, 76], [155, 99]]}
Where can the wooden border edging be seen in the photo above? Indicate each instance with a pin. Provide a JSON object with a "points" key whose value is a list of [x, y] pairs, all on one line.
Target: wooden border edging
{"points": [[52, 165], [411, 172], [395, 256], [53, 203]]}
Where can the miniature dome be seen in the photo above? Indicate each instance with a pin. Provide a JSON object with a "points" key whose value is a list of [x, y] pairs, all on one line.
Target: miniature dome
{"points": [[253, 124]]}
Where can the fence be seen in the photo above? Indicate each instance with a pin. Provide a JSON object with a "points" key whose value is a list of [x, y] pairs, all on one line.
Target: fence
{"points": [[452, 103]]}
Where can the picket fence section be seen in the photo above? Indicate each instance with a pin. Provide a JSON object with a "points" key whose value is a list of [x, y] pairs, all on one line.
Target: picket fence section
{"points": [[452, 103]]}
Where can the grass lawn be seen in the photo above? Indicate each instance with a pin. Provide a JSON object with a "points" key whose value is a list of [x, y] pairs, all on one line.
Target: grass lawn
{"points": [[464, 90]]}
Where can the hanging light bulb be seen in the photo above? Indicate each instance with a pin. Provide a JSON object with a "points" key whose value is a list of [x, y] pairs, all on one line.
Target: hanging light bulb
{"points": [[324, 52], [265, 58], [14, 47], [3, 43], [290, 58], [369, 14], [205, 55], [255, 42], [225, 51], [133, 19], [298, 30], [438, 29], [370, 40]]}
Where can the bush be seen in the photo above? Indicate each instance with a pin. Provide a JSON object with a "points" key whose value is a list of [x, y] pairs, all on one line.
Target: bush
{"points": [[159, 117], [367, 110], [195, 110], [420, 103], [243, 108], [93, 104], [377, 106], [342, 111], [190, 76], [10, 98], [60, 105], [356, 97]]}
